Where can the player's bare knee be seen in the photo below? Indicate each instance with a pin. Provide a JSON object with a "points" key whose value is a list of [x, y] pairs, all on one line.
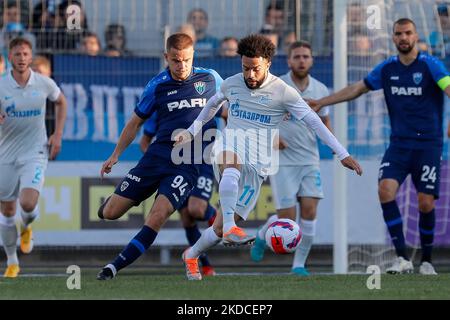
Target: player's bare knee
{"points": [[27, 206], [385, 193], [196, 211], [426, 205], [8, 211]]}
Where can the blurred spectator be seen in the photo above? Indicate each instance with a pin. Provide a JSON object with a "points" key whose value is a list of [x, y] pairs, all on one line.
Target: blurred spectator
{"points": [[440, 39], [355, 17], [289, 39], [44, 15], [274, 19], [112, 52], [188, 29], [90, 44], [269, 32], [51, 26], [116, 41], [206, 45], [228, 47], [359, 44], [14, 11], [2, 66], [12, 25], [44, 24], [43, 66], [69, 40], [422, 45]]}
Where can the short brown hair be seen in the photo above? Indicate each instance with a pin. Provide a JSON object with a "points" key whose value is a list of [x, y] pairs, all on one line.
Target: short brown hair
{"points": [[179, 41], [256, 45], [299, 44], [402, 22], [19, 42], [41, 61]]}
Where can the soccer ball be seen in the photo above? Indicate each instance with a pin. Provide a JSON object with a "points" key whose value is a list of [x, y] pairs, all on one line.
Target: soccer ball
{"points": [[283, 236]]}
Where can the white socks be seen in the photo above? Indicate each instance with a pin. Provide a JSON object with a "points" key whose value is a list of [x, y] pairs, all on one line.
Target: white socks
{"points": [[308, 228], [8, 232], [262, 231], [228, 192], [207, 240], [28, 217]]}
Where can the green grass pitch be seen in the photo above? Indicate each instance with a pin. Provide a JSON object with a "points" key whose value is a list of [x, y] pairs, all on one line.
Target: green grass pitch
{"points": [[159, 284]]}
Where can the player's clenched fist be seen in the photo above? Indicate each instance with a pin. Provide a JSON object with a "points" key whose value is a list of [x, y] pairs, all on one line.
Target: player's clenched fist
{"points": [[182, 137], [352, 164], [108, 164]]}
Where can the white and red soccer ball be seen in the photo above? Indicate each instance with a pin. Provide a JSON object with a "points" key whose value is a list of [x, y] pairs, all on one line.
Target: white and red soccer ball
{"points": [[283, 236]]}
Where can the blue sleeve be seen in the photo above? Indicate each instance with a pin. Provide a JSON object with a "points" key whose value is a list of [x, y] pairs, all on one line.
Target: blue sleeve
{"points": [[150, 125], [146, 105], [217, 78], [373, 81], [436, 67]]}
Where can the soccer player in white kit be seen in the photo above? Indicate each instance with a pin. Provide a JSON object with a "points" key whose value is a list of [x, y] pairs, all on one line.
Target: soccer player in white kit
{"points": [[24, 149], [298, 178], [258, 101]]}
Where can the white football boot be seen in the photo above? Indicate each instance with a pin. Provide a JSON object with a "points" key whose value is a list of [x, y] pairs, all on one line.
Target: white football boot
{"points": [[427, 268], [400, 265]]}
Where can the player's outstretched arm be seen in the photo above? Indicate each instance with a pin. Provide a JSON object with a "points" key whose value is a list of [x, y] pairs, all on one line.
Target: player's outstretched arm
{"points": [[55, 140], [126, 137], [348, 93], [208, 112]]}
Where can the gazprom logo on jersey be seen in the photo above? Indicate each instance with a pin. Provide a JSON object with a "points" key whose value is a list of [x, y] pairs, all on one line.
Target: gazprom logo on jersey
{"points": [[252, 116], [13, 113], [409, 91], [198, 102]]}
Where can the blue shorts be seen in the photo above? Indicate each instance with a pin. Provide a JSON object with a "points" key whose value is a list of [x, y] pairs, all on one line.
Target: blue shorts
{"points": [[205, 183], [155, 173], [423, 165]]}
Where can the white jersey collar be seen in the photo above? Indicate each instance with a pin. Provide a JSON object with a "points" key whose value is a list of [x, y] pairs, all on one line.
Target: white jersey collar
{"points": [[30, 82]]}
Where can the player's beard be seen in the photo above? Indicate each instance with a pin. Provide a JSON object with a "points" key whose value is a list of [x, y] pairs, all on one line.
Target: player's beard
{"points": [[300, 74], [258, 83], [407, 49]]}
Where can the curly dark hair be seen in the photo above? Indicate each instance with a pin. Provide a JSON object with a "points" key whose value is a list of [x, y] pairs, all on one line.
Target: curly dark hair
{"points": [[256, 45]]}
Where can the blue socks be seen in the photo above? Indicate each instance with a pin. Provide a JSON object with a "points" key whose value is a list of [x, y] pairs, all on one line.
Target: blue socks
{"points": [[426, 229], [193, 234], [394, 223], [140, 243]]}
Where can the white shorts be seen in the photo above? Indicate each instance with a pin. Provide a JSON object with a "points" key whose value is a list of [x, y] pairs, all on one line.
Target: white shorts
{"points": [[249, 188], [292, 182], [20, 175]]}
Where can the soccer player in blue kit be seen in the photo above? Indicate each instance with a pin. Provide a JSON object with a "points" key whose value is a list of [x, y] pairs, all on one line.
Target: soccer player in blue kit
{"points": [[412, 83], [197, 206], [177, 96]]}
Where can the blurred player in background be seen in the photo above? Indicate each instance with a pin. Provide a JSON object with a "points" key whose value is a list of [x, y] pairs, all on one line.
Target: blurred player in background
{"points": [[24, 149], [298, 178], [412, 82], [258, 101], [176, 96], [43, 66], [197, 206]]}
